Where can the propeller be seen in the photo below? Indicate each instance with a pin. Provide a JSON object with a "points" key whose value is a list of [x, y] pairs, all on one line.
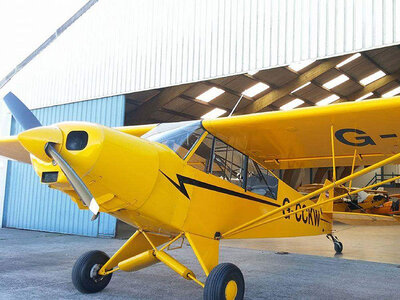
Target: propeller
{"points": [[27, 119]]}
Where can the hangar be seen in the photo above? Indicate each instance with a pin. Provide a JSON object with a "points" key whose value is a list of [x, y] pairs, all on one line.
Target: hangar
{"points": [[137, 62]]}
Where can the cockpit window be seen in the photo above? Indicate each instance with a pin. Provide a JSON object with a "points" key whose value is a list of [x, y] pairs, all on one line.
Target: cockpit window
{"points": [[180, 137], [261, 181]]}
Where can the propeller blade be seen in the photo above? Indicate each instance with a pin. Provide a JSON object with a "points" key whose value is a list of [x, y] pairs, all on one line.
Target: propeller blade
{"points": [[21, 113], [76, 182]]}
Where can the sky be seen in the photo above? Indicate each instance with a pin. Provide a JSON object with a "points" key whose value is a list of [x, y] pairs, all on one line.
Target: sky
{"points": [[25, 24]]}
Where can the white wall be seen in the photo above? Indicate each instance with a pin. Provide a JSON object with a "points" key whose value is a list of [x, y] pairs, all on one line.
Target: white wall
{"points": [[125, 46], [5, 122]]}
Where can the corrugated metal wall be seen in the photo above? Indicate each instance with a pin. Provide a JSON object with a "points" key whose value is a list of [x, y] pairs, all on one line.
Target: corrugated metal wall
{"points": [[32, 205], [125, 46]]}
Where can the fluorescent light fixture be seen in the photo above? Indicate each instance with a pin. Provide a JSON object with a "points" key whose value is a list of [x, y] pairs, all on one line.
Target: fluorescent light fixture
{"points": [[371, 78], [346, 61], [252, 72], [215, 113], [335, 81], [364, 97], [327, 100], [292, 104], [255, 89], [301, 65], [392, 93], [210, 94], [300, 87]]}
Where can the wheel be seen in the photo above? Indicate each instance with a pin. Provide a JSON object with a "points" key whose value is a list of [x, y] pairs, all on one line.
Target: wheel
{"points": [[84, 273], [225, 281], [338, 247]]}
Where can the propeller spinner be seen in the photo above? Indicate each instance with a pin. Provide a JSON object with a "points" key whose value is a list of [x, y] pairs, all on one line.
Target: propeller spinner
{"points": [[37, 133]]}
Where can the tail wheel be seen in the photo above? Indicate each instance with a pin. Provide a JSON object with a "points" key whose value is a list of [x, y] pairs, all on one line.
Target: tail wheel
{"points": [[85, 275], [338, 247], [225, 281]]}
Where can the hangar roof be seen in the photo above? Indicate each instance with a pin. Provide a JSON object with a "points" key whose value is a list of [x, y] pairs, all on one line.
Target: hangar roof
{"points": [[125, 46], [309, 85]]}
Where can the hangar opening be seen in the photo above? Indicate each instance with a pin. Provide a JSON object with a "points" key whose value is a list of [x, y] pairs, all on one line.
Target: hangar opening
{"points": [[354, 77], [165, 66]]}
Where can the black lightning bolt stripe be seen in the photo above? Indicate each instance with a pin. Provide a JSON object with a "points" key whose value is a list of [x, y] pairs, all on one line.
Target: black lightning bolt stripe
{"points": [[186, 180]]}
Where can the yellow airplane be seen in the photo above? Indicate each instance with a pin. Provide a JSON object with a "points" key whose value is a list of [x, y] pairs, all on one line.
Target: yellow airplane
{"points": [[203, 180]]}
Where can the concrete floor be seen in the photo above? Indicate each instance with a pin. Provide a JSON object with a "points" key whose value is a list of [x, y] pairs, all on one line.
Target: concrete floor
{"points": [[38, 265], [370, 243]]}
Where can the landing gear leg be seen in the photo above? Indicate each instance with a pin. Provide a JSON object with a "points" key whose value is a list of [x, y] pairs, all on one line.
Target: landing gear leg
{"points": [[336, 243]]}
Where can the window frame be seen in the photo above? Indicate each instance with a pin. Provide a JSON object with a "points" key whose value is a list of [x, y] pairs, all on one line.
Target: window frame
{"points": [[245, 167], [261, 175], [195, 146]]}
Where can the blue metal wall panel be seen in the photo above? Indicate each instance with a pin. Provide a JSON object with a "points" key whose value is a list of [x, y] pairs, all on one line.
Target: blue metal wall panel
{"points": [[32, 205]]}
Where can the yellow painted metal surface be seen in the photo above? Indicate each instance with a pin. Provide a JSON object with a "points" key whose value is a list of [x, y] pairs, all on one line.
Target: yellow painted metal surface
{"points": [[301, 138], [36, 139], [174, 264], [206, 251], [212, 211], [135, 245], [231, 290], [138, 262]]}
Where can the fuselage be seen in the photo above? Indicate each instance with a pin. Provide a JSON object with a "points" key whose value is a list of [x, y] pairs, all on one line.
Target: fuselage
{"points": [[153, 186]]}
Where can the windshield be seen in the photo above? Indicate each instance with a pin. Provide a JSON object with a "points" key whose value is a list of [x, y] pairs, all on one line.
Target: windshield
{"points": [[180, 137]]}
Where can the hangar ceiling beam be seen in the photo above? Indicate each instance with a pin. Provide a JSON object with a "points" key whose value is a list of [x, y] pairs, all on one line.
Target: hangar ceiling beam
{"points": [[178, 113], [320, 85], [372, 61], [275, 87], [307, 76], [143, 112], [373, 86], [228, 90], [208, 104]]}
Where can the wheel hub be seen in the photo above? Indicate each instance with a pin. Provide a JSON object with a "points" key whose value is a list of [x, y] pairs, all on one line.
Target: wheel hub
{"points": [[231, 290], [94, 273]]}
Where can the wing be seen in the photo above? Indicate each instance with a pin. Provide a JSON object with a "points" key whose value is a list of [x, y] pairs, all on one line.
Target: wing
{"points": [[11, 148], [301, 138]]}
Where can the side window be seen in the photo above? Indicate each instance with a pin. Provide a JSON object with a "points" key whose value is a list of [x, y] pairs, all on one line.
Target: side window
{"points": [[201, 158], [227, 163], [261, 181]]}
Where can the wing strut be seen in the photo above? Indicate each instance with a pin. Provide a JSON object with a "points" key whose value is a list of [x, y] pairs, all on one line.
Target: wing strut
{"points": [[352, 167], [248, 225], [318, 204], [333, 154]]}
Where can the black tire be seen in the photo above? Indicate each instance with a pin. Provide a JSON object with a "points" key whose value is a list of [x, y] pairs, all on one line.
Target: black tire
{"points": [[338, 247], [219, 278], [82, 278]]}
